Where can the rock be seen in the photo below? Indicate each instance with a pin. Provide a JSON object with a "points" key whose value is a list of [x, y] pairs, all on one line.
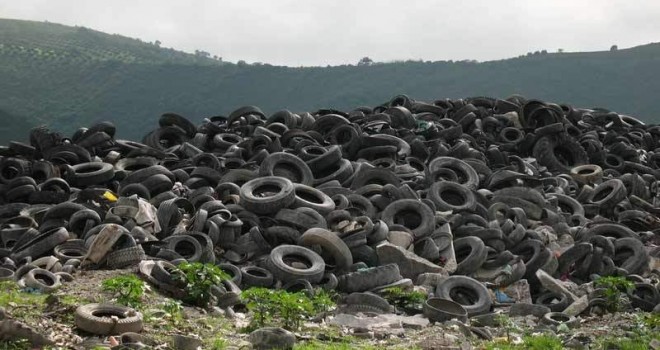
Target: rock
{"points": [[183, 342], [380, 321], [430, 280], [448, 254], [410, 264], [411, 322], [272, 338], [11, 329], [517, 291], [577, 306], [554, 285], [525, 309], [654, 344]]}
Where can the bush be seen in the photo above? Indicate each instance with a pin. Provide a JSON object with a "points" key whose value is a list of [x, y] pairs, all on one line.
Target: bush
{"points": [[615, 288], [404, 300], [197, 280], [127, 288], [279, 307]]}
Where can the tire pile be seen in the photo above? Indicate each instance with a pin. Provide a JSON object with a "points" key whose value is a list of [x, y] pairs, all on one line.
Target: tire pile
{"points": [[460, 196]]}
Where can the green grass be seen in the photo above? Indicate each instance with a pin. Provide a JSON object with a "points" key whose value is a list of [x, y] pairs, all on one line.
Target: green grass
{"points": [[532, 342], [318, 345]]}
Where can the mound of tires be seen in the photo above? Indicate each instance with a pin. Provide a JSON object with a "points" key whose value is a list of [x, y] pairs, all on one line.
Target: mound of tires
{"points": [[465, 197]]}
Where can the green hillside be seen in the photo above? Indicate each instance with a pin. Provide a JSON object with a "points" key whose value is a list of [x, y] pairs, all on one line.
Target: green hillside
{"points": [[69, 77]]}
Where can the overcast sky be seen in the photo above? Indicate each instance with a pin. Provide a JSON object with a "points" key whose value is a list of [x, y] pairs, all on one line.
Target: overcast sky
{"points": [[322, 32]]}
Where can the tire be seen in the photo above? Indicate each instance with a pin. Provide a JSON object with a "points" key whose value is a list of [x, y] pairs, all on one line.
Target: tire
{"points": [[476, 257], [536, 256], [233, 271], [41, 245], [92, 318], [186, 246], [554, 302], [125, 257], [608, 194], [637, 259], [559, 153], [7, 274], [42, 280], [368, 279], [466, 174], [330, 243], [587, 174], [340, 171], [573, 254], [272, 202], [162, 272], [440, 310], [448, 196], [92, 173], [287, 273], [559, 318], [468, 292], [366, 301], [310, 197], [422, 221], [288, 166], [254, 276], [645, 296]]}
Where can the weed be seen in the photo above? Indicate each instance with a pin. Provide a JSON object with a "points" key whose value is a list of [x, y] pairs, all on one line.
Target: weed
{"points": [[174, 311], [198, 279], [282, 307], [531, 342], [128, 289], [217, 343], [615, 288], [405, 300]]}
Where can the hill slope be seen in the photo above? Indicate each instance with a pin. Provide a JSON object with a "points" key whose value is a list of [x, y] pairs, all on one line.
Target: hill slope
{"points": [[68, 77]]}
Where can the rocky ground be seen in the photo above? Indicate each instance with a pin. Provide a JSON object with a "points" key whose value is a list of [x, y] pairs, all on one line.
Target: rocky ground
{"points": [[52, 316]]}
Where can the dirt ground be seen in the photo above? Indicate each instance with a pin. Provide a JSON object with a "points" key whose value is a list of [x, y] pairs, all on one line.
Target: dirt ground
{"points": [[53, 317]]}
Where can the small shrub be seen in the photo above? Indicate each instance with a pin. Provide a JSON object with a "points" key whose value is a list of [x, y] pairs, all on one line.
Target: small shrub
{"points": [[404, 300], [197, 279], [218, 344], [128, 289], [531, 342], [174, 310], [615, 288], [283, 308]]}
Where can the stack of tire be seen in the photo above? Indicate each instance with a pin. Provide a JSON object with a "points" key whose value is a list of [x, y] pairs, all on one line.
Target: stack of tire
{"points": [[297, 200]]}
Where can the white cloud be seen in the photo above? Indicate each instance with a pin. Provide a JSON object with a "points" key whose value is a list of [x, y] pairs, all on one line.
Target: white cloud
{"points": [[321, 32]]}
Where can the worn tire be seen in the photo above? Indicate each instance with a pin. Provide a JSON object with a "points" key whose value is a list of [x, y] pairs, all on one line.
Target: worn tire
{"points": [[330, 243], [271, 202], [92, 318], [287, 273], [466, 291]]}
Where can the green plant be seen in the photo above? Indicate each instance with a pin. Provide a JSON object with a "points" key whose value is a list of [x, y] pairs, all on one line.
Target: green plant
{"points": [[217, 343], [530, 342], [403, 299], [503, 320], [197, 279], [259, 302], [174, 310], [128, 289], [281, 307], [615, 287]]}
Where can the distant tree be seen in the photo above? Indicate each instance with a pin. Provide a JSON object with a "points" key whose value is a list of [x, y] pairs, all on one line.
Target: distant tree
{"points": [[241, 63], [202, 53], [365, 61], [544, 52], [157, 43], [560, 50], [614, 48]]}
